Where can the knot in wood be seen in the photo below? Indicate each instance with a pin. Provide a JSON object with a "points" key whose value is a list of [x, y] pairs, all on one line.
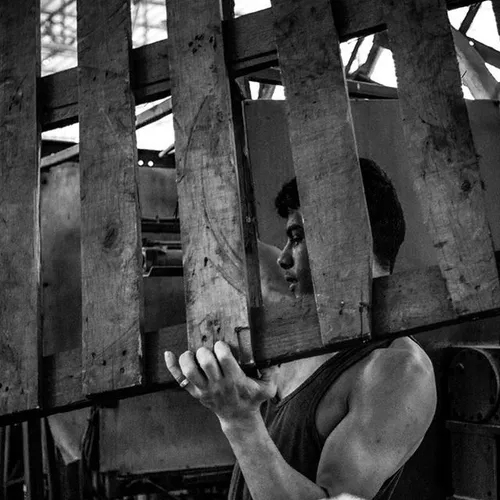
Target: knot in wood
{"points": [[466, 186]]}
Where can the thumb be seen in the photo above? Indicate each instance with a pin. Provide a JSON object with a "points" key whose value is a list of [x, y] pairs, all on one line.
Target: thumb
{"points": [[268, 381]]}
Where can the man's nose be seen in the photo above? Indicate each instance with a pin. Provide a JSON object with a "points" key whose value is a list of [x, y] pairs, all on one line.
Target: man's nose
{"points": [[285, 260]]}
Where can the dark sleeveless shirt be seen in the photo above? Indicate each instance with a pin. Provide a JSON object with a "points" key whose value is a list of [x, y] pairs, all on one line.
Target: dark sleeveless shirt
{"points": [[291, 422]]}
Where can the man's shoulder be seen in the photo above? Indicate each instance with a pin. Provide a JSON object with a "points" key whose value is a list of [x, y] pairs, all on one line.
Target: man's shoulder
{"points": [[402, 369], [401, 363]]}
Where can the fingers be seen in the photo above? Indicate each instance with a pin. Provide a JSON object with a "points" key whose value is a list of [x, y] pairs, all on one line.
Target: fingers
{"points": [[230, 367], [191, 370], [173, 366], [176, 371], [209, 364]]}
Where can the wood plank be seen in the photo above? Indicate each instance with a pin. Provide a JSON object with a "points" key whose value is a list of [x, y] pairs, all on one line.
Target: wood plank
{"points": [[59, 98], [214, 237], [112, 309], [20, 141], [356, 89], [250, 45], [445, 169], [327, 167]]}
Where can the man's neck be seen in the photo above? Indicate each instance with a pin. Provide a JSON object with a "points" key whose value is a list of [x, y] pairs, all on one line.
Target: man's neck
{"points": [[294, 373]]}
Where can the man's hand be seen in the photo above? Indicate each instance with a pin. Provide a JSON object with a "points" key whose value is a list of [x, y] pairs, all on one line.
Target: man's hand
{"points": [[218, 382]]}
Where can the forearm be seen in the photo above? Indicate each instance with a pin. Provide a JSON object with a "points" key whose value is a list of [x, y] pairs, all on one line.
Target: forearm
{"points": [[267, 474]]}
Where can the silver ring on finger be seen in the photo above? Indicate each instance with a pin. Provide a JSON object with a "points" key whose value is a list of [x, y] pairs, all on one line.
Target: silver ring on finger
{"points": [[183, 383]]}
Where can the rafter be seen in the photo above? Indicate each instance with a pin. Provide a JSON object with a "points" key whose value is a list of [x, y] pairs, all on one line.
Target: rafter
{"points": [[469, 18]]}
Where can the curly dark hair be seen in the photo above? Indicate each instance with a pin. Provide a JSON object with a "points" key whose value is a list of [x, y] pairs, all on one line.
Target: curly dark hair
{"points": [[384, 209]]}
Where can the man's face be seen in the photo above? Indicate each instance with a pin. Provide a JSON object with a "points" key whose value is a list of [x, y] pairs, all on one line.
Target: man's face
{"points": [[294, 259]]}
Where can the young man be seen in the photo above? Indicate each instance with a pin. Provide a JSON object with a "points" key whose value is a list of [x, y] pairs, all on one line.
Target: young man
{"points": [[332, 425]]}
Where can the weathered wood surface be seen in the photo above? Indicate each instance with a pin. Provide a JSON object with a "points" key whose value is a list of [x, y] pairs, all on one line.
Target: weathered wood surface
{"points": [[112, 309], [250, 45], [20, 335], [213, 238], [445, 168], [327, 168]]}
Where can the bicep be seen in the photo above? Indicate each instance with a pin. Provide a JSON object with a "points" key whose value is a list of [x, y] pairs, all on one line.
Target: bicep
{"points": [[381, 430]]}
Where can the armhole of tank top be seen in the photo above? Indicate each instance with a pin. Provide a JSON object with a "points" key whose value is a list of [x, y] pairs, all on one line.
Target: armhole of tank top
{"points": [[311, 417], [317, 399]]}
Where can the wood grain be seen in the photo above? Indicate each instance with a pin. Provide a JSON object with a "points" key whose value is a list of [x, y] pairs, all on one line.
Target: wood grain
{"points": [[112, 309], [327, 167], [215, 241], [445, 169], [20, 335]]}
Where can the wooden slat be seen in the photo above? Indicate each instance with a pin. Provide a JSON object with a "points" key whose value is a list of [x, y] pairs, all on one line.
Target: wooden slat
{"points": [[213, 237], [112, 307], [20, 351], [327, 167], [445, 169]]}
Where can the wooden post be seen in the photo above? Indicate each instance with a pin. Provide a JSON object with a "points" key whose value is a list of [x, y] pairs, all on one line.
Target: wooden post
{"points": [[223, 298], [445, 168], [327, 167], [111, 248], [20, 339]]}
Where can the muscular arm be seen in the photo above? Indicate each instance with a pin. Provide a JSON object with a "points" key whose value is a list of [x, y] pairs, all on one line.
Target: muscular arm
{"points": [[386, 421], [267, 475], [390, 409]]}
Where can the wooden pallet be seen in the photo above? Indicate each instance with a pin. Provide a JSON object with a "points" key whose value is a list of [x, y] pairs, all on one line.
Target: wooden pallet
{"points": [[205, 50]]}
